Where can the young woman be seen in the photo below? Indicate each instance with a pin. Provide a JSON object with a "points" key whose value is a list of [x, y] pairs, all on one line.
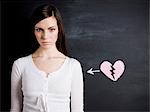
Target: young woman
{"points": [[47, 80]]}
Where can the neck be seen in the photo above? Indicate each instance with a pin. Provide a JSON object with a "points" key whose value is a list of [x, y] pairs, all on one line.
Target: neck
{"points": [[47, 53]]}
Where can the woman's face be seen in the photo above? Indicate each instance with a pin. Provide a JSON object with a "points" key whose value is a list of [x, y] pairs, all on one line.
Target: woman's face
{"points": [[46, 32]]}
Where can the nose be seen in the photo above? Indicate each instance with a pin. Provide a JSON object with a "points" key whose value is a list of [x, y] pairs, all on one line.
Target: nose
{"points": [[45, 35]]}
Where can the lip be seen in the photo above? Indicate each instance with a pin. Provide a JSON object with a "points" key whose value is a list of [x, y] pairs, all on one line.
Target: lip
{"points": [[46, 42]]}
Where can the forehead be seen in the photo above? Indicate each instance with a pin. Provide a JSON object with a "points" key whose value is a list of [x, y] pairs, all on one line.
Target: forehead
{"points": [[47, 22]]}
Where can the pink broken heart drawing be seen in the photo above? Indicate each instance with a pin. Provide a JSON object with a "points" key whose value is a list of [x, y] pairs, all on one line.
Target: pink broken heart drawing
{"points": [[113, 72]]}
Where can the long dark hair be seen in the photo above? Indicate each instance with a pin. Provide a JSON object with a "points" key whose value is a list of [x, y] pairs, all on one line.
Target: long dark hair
{"points": [[45, 11]]}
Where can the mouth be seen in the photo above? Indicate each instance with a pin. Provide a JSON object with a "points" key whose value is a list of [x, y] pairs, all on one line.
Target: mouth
{"points": [[46, 43]]}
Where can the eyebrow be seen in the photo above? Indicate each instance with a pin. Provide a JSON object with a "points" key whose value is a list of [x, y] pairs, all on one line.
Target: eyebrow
{"points": [[39, 28], [48, 27]]}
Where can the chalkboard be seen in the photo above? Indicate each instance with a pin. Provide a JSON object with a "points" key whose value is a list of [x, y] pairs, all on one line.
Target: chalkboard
{"points": [[96, 31]]}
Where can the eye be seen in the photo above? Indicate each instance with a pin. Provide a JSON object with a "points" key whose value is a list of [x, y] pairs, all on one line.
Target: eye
{"points": [[52, 29], [38, 30]]}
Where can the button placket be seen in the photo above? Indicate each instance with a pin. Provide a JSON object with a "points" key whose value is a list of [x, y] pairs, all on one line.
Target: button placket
{"points": [[45, 91], [46, 86]]}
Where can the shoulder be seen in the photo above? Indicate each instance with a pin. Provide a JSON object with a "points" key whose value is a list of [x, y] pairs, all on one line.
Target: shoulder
{"points": [[75, 66], [22, 60], [19, 64], [74, 61]]}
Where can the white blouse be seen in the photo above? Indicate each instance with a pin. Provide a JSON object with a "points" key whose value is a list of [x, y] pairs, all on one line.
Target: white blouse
{"points": [[39, 93]]}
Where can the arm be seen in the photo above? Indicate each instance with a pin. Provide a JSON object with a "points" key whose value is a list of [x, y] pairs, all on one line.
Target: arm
{"points": [[16, 94], [77, 88]]}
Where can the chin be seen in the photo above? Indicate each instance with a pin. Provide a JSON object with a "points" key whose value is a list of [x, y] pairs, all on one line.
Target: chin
{"points": [[47, 46]]}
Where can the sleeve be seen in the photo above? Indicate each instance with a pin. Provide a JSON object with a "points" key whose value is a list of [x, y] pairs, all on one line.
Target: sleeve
{"points": [[16, 93], [77, 88]]}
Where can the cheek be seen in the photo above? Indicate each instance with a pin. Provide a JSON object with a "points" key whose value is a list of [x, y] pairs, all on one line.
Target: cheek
{"points": [[56, 33], [37, 35]]}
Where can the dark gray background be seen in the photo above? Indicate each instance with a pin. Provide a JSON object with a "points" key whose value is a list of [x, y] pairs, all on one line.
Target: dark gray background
{"points": [[96, 30]]}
